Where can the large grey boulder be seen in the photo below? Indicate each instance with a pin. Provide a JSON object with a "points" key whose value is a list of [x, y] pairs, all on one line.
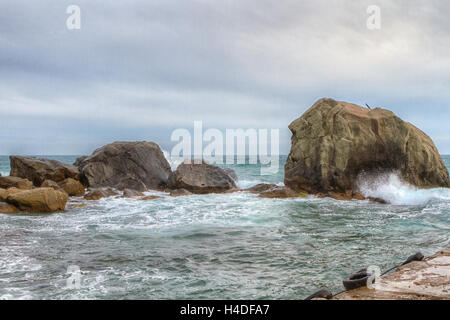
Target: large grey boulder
{"points": [[38, 170], [334, 143], [125, 165], [201, 178]]}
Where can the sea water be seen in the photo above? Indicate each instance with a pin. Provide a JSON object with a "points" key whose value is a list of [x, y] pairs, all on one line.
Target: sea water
{"points": [[227, 246]]}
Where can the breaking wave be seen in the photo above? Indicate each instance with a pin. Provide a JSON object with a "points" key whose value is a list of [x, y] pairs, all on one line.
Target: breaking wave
{"points": [[391, 188]]}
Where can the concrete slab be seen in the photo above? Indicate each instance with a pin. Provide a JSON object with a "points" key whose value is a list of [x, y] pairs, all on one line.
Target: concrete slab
{"points": [[419, 280]]}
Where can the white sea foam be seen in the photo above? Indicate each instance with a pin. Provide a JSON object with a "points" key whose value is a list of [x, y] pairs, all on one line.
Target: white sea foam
{"points": [[391, 188]]}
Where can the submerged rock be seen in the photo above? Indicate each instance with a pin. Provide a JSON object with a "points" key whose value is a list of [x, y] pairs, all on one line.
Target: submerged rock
{"points": [[38, 170], [39, 200], [261, 187], [281, 192], [133, 165], [179, 193], [201, 178], [72, 187], [379, 200], [16, 182], [146, 198], [96, 194], [128, 193], [333, 142]]}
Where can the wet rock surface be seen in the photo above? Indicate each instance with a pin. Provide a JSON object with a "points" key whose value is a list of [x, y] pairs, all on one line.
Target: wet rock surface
{"points": [[99, 193], [125, 165], [334, 142], [201, 178], [16, 182], [39, 200], [72, 187], [179, 193], [261, 187], [281, 192], [129, 193], [38, 170]]}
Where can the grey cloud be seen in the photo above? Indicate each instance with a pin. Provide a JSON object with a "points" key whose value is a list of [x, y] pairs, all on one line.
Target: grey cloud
{"points": [[138, 69]]}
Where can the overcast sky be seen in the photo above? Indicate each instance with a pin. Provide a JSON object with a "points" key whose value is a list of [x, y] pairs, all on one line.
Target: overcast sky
{"points": [[137, 70]]}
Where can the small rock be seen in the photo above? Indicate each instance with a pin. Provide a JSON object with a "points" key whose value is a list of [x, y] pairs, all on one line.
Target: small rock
{"points": [[20, 183], [129, 193], [340, 195], [96, 194], [261, 187], [201, 178], [179, 193], [7, 208], [78, 205], [150, 198], [281, 192], [73, 187], [358, 196], [50, 184], [379, 200]]}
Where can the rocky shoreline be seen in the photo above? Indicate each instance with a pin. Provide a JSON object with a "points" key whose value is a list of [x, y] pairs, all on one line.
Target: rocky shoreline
{"points": [[334, 145]]}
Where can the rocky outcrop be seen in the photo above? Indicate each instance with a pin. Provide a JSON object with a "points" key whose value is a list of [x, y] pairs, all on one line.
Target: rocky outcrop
{"points": [[334, 142], [38, 170], [96, 194], [16, 182], [135, 165], [72, 187], [39, 200], [201, 178]]}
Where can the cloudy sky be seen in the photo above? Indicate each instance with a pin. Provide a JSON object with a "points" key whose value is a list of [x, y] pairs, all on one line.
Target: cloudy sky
{"points": [[137, 70]]}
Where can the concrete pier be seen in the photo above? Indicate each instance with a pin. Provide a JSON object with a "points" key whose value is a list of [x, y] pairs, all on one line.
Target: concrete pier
{"points": [[419, 280]]}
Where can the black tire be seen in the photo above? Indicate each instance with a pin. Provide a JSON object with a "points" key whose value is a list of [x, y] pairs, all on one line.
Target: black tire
{"points": [[357, 280], [324, 293], [415, 257]]}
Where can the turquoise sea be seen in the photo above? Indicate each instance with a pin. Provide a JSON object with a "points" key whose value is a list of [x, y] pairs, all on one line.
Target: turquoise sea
{"points": [[229, 246]]}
